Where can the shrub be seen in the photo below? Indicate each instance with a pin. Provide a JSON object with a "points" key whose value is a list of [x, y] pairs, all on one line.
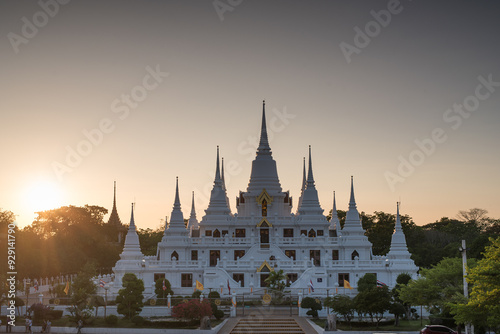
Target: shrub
{"points": [[314, 306], [138, 320], [193, 309], [196, 294], [218, 314], [54, 314], [111, 320], [214, 294]]}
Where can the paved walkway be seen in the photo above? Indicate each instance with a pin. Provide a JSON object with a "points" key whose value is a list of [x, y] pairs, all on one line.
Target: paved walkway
{"points": [[273, 324]]}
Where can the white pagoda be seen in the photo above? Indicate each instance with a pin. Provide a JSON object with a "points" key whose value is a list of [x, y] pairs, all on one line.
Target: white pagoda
{"points": [[240, 249]]}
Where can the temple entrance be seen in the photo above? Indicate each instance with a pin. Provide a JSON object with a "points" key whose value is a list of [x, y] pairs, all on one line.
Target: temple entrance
{"points": [[263, 278], [264, 235], [214, 256]]}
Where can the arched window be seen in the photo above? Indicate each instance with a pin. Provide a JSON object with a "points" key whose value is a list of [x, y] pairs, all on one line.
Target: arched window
{"points": [[312, 233], [174, 256], [354, 255], [216, 234]]}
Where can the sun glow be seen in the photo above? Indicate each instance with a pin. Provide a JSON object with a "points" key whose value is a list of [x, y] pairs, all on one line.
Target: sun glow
{"points": [[43, 195]]}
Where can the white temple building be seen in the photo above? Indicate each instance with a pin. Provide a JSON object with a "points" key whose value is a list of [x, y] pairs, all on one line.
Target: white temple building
{"points": [[265, 233]]}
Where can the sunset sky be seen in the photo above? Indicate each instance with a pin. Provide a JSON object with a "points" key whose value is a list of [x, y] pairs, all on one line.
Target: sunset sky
{"points": [[404, 96]]}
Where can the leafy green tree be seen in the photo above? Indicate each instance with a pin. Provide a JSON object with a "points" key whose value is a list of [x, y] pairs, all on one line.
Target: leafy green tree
{"points": [[373, 301], [342, 305], [402, 280], [483, 307], [83, 287], [276, 280], [149, 240], [62, 240], [397, 309], [129, 299], [82, 290], [313, 304], [436, 286], [367, 282]]}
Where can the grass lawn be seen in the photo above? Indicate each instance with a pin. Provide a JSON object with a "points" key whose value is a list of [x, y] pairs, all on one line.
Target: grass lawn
{"points": [[404, 325]]}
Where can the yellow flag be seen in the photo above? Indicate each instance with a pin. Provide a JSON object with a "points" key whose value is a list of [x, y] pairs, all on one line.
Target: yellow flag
{"points": [[66, 289], [199, 286], [347, 284]]}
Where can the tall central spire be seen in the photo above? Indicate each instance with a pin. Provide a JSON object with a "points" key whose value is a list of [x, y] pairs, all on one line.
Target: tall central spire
{"points": [[264, 173]]}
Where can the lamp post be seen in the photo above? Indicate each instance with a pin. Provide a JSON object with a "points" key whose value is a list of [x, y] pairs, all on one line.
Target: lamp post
{"points": [[28, 283], [105, 299], [463, 250]]}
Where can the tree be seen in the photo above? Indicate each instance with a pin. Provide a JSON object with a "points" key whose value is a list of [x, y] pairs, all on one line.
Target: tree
{"points": [[62, 240], [129, 299], [313, 304], [367, 282], [374, 301], [193, 309], [82, 289], [83, 286], [398, 309], [475, 215], [436, 286], [276, 280], [149, 240], [483, 307], [401, 281], [342, 305]]}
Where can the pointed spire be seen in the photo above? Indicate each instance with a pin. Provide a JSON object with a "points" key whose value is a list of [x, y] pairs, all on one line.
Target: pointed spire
{"points": [[352, 225], [352, 201], [132, 222], [264, 173], [399, 249], [334, 222], [310, 201], [193, 211], [114, 219], [177, 201], [219, 203], [193, 221], [131, 249], [217, 168], [310, 177], [176, 225], [264, 142]]}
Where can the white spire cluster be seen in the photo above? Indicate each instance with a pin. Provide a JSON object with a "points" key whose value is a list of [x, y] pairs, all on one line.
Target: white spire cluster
{"points": [[309, 204]]}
